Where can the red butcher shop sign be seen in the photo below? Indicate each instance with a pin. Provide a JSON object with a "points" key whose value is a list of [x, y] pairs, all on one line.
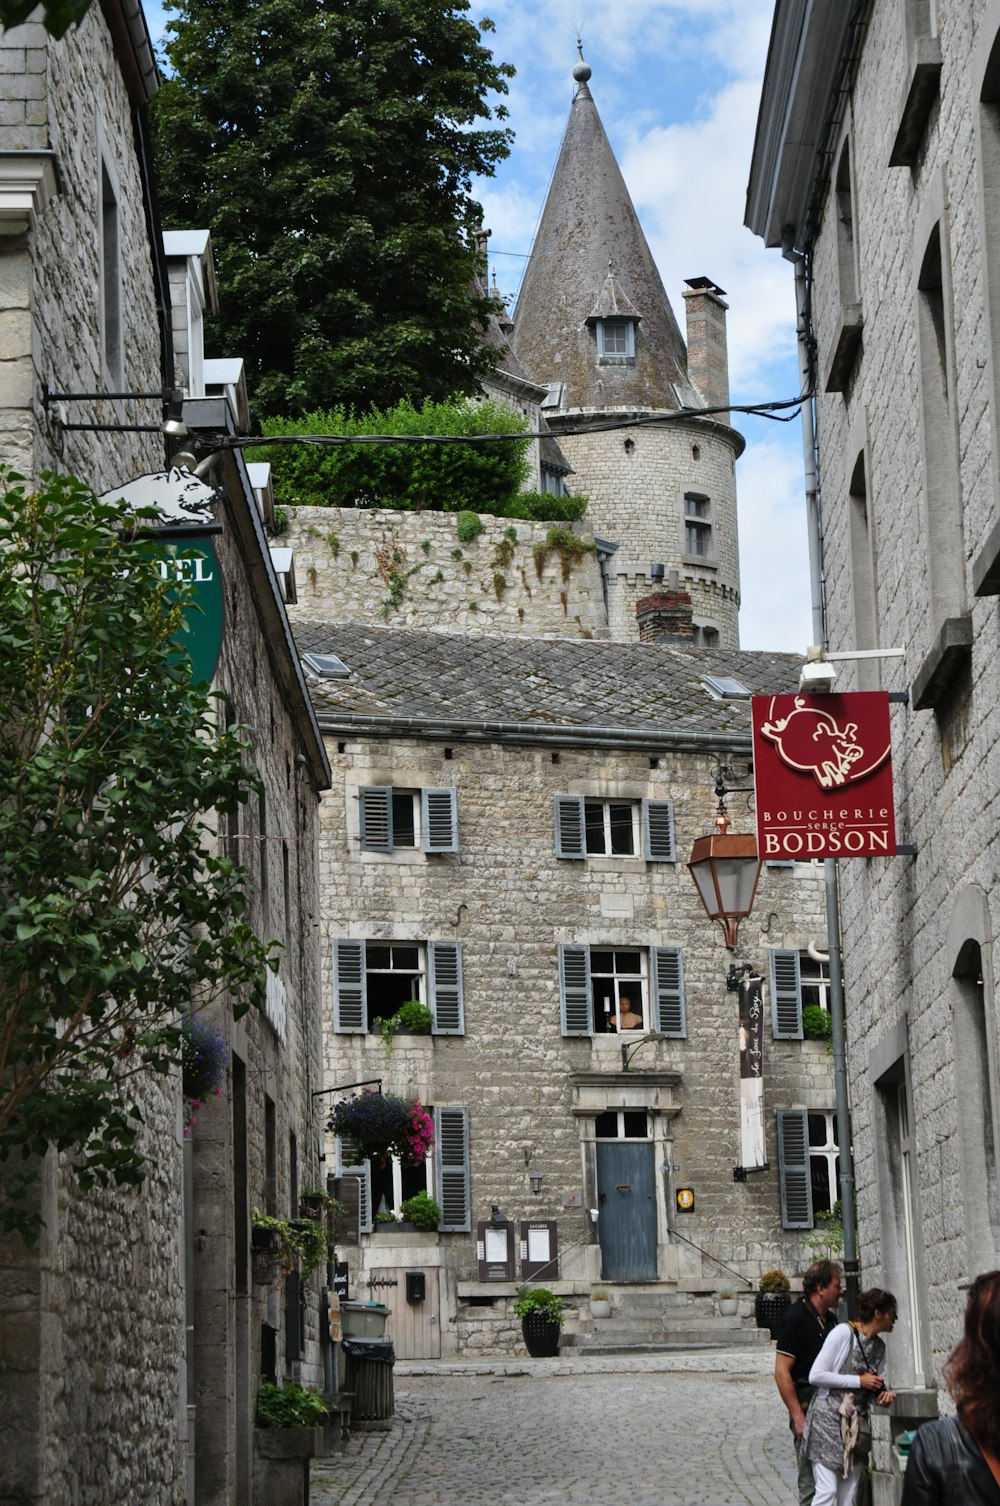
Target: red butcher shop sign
{"points": [[823, 776]]}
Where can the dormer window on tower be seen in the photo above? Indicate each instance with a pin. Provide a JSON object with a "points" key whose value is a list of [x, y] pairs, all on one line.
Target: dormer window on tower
{"points": [[613, 319]]}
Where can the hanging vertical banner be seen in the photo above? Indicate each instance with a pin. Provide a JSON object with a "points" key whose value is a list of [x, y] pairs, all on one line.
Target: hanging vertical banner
{"points": [[751, 1029], [823, 776]]}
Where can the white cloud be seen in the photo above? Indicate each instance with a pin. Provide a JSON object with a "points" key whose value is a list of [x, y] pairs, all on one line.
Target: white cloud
{"points": [[775, 612]]}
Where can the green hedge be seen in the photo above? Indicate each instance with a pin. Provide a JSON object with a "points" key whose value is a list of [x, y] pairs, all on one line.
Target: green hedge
{"points": [[479, 478]]}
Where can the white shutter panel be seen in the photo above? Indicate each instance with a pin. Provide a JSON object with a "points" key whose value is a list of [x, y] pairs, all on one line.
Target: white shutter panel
{"points": [[376, 818], [574, 990], [349, 989], [350, 1163], [451, 1169], [658, 831], [793, 1169], [447, 1001], [440, 820], [569, 827], [786, 994], [668, 989]]}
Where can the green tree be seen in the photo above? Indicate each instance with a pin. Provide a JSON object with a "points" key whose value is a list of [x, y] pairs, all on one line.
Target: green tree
{"points": [[115, 917], [331, 150], [58, 15]]}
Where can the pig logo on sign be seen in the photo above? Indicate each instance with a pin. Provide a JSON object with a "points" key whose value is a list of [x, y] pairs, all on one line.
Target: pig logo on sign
{"points": [[810, 739], [181, 497]]}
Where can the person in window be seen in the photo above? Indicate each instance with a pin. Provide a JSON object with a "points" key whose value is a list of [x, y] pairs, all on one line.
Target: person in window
{"points": [[847, 1374], [626, 1018], [958, 1458]]}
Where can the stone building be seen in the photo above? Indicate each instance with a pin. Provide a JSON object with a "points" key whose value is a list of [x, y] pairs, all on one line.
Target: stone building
{"points": [[875, 169], [593, 342], [133, 1334], [505, 841]]}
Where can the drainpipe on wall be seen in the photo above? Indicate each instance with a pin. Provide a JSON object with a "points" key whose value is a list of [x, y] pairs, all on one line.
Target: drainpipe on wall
{"points": [[817, 592]]}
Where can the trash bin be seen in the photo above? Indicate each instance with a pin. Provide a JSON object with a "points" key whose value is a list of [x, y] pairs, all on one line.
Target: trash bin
{"points": [[369, 1364]]}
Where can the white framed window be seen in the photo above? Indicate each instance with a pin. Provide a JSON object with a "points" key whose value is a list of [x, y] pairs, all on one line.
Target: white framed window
{"points": [[808, 1165], [622, 1124], [445, 1174], [824, 1160], [616, 337], [621, 990], [371, 979], [699, 539], [391, 818], [592, 827], [796, 980]]}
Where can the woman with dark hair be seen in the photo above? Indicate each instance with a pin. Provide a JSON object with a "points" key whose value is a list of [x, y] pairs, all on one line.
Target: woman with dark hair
{"points": [[847, 1374], [957, 1460]]}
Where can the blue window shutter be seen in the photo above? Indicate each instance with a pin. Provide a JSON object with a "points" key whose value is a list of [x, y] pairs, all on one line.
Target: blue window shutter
{"points": [[574, 990], [376, 818], [440, 820], [793, 1169], [350, 1163], [447, 1000], [569, 827], [658, 831], [786, 994], [349, 987], [668, 989], [451, 1169]]}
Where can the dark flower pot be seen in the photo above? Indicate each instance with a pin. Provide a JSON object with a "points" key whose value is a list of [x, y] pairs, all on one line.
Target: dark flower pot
{"points": [[540, 1335], [769, 1309]]}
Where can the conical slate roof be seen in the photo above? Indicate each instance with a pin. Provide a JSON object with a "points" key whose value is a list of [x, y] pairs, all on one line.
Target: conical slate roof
{"points": [[590, 247]]}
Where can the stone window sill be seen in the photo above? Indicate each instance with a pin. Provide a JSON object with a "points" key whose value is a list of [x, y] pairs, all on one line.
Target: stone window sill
{"points": [[845, 353], [986, 566], [918, 100], [949, 656]]}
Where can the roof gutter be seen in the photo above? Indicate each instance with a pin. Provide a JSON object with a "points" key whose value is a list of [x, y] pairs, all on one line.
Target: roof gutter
{"points": [[530, 734]]}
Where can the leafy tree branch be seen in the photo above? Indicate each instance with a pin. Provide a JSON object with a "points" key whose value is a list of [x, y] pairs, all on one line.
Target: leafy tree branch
{"points": [[116, 916]]}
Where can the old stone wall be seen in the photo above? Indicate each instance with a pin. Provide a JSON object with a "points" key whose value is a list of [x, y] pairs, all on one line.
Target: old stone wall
{"points": [[636, 480], [905, 920], [510, 901], [69, 97], [410, 569]]}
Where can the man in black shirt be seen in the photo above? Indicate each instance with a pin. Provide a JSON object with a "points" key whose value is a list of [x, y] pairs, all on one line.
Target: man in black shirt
{"points": [[800, 1339]]}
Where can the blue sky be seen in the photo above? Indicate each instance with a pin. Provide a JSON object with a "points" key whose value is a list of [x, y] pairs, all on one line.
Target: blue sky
{"points": [[677, 84]]}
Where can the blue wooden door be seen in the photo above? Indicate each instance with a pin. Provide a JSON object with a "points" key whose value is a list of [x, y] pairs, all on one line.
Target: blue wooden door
{"points": [[626, 1195]]}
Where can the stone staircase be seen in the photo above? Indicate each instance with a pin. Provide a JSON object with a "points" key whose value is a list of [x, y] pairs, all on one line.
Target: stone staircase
{"points": [[651, 1319]]}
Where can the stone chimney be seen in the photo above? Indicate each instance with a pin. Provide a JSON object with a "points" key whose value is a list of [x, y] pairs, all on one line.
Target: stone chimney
{"points": [[666, 616], [708, 353]]}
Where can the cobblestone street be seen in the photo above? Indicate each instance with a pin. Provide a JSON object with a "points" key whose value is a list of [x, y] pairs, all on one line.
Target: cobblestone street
{"points": [[693, 1429]]}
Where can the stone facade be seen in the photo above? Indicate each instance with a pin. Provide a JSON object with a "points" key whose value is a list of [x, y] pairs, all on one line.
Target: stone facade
{"points": [[532, 1092], [903, 241], [132, 1334]]}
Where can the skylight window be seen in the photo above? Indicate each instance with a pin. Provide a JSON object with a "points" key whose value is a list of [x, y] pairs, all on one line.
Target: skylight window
{"points": [[724, 688], [326, 666]]}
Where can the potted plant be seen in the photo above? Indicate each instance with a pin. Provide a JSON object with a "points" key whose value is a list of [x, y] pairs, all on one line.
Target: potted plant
{"points": [[727, 1301], [600, 1302], [289, 1432], [772, 1300], [282, 1243], [384, 1125], [204, 1064], [541, 1314], [422, 1211], [411, 1018]]}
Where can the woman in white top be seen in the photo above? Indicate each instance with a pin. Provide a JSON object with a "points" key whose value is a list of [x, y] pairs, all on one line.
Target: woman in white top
{"points": [[848, 1376]]}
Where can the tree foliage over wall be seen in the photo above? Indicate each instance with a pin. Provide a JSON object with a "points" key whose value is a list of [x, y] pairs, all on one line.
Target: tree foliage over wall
{"points": [[331, 150], [114, 916], [58, 15], [475, 478]]}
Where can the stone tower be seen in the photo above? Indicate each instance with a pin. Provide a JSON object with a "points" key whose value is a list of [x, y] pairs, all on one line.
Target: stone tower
{"points": [[593, 322]]}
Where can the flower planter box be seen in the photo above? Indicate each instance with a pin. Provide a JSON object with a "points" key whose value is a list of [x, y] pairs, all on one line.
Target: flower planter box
{"points": [[281, 1464], [769, 1309]]}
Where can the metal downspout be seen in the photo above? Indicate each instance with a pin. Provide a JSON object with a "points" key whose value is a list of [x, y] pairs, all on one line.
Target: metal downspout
{"points": [[817, 590]]}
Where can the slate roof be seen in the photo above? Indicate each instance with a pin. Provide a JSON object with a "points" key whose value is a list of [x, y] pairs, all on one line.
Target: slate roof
{"points": [[589, 228], [570, 690]]}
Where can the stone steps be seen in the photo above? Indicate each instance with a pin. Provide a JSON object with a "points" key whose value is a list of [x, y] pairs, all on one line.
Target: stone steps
{"points": [[649, 1320]]}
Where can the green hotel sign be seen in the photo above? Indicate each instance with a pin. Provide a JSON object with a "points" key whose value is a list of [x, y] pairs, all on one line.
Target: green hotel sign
{"points": [[194, 562]]}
